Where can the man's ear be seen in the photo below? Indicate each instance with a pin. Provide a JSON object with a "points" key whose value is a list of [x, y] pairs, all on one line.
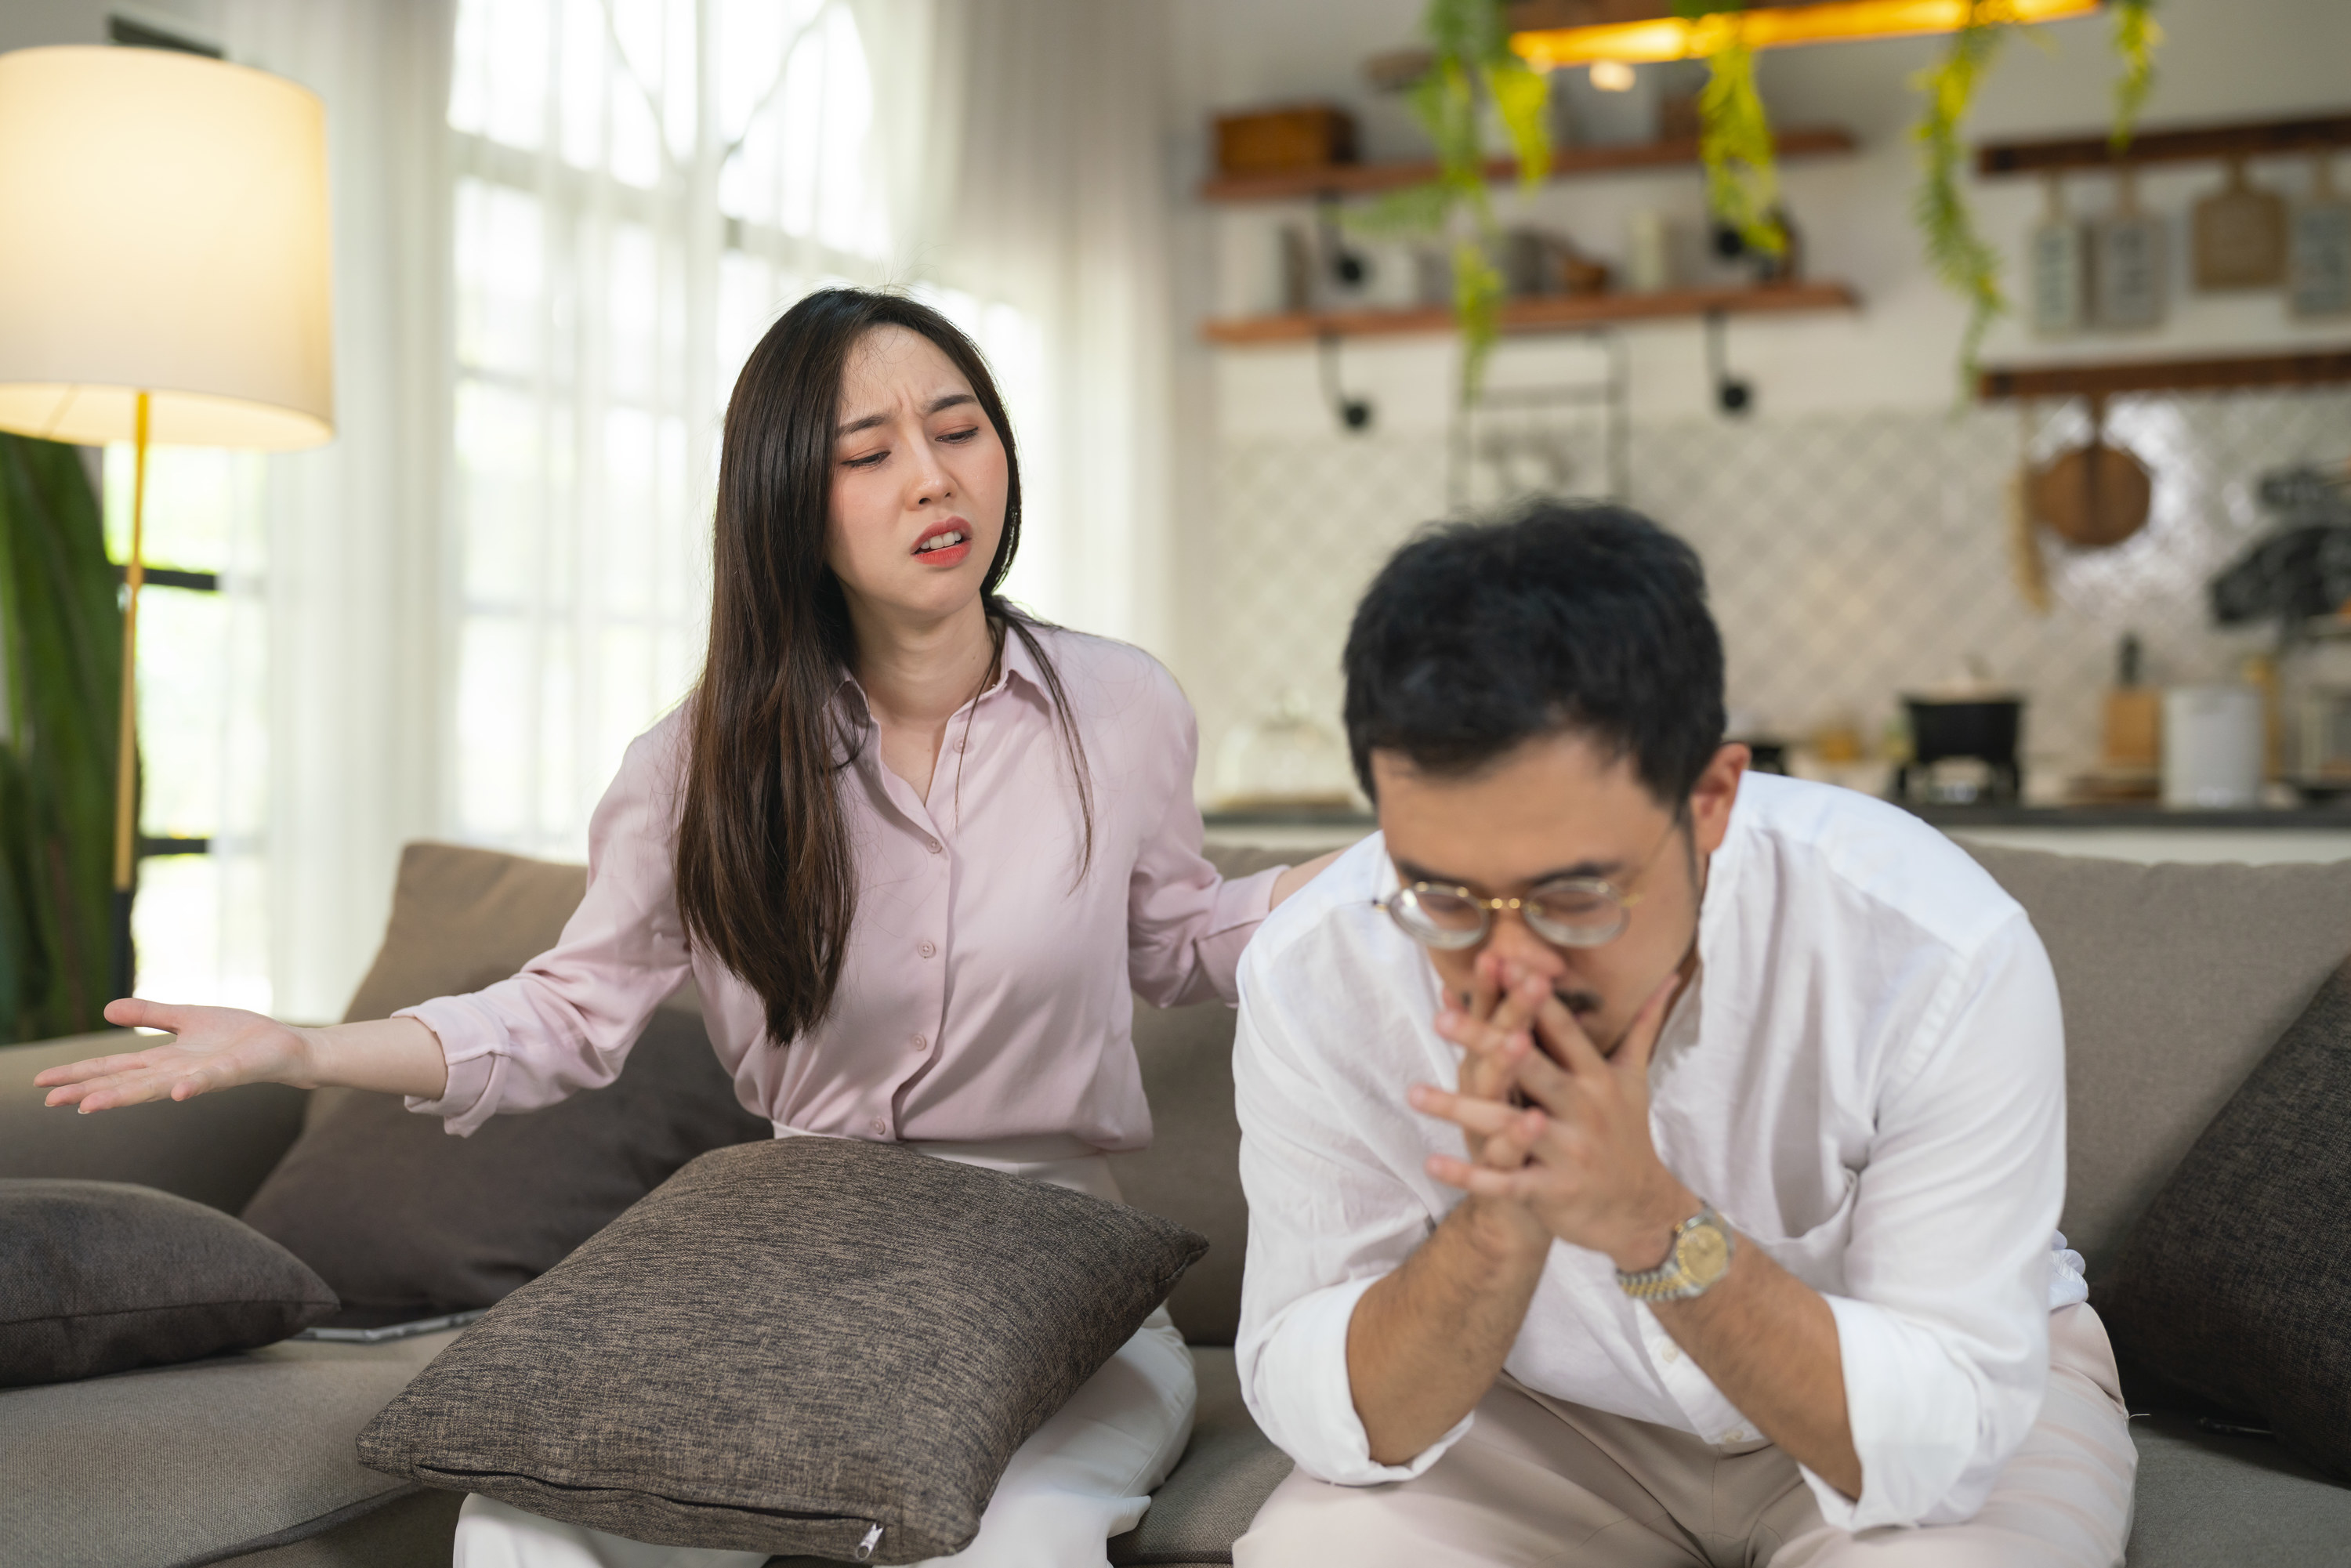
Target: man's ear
{"points": [[1711, 798]]}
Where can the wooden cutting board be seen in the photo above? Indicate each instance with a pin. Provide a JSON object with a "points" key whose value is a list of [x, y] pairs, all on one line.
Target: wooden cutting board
{"points": [[2240, 236], [2094, 495]]}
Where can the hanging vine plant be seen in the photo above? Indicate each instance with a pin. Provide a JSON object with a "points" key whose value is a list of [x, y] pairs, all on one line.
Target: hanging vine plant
{"points": [[1742, 179], [1472, 64], [1961, 257]]}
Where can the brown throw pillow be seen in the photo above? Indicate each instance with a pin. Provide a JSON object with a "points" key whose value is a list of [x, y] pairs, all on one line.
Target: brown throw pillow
{"points": [[406, 1222], [811, 1345], [102, 1276], [2235, 1285]]}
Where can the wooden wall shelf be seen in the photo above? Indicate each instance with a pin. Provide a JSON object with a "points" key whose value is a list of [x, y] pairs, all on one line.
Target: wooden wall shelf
{"points": [[2184, 144], [2316, 366], [1549, 314], [1566, 163]]}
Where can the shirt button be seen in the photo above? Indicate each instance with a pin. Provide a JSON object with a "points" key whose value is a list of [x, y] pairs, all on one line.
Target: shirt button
{"points": [[926, 949], [881, 1128], [958, 745], [919, 1043], [1672, 1354], [932, 845]]}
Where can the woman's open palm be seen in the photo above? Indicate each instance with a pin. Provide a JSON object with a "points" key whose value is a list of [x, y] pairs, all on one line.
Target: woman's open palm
{"points": [[211, 1048]]}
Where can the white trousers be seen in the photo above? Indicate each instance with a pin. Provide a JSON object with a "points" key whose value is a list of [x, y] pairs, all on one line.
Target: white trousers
{"points": [[1084, 1476]]}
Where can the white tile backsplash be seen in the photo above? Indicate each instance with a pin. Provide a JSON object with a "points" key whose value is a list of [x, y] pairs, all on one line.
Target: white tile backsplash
{"points": [[1851, 557]]}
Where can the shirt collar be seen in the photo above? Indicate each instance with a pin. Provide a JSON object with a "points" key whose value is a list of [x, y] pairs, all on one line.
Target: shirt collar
{"points": [[1016, 662]]}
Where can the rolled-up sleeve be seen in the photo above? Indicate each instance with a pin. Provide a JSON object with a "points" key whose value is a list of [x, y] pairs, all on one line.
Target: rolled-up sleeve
{"points": [[1943, 1326], [1328, 1220], [567, 1021], [1186, 925]]}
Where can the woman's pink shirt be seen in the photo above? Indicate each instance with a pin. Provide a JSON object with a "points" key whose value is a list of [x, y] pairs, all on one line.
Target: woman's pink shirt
{"points": [[988, 988]]}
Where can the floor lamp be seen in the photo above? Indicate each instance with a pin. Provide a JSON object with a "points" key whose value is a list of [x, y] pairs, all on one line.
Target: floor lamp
{"points": [[165, 281]]}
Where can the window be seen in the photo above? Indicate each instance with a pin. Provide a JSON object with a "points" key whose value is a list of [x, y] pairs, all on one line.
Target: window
{"points": [[640, 185], [201, 920]]}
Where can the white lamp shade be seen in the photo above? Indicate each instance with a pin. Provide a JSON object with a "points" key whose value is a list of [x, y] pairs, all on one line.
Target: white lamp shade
{"points": [[166, 231]]}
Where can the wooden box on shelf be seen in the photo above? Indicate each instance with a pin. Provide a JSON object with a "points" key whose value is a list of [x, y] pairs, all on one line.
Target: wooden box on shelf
{"points": [[1274, 141]]}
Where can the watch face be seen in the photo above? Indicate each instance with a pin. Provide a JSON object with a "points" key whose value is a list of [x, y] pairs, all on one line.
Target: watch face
{"points": [[1703, 1253]]}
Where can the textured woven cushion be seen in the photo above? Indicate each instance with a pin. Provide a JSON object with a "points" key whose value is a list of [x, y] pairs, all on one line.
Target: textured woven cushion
{"points": [[786, 1346], [2235, 1285], [406, 1222], [100, 1276]]}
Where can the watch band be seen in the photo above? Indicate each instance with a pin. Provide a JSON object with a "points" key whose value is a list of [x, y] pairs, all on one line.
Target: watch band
{"points": [[1697, 1261]]}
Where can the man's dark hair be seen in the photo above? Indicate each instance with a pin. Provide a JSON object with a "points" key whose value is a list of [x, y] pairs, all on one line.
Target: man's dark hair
{"points": [[1587, 618]]}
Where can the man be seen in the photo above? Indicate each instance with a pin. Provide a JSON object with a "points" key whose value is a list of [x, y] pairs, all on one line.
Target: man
{"points": [[1731, 1241]]}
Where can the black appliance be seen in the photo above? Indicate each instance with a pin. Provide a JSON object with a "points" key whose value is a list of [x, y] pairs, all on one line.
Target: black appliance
{"points": [[1962, 729]]}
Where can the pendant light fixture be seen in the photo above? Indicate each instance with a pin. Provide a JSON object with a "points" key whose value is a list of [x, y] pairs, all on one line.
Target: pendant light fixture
{"points": [[1550, 34]]}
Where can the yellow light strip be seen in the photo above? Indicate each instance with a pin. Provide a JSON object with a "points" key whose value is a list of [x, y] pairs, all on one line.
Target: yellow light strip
{"points": [[1768, 27]]}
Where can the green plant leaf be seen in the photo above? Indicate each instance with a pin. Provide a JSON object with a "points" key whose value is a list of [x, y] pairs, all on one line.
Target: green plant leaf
{"points": [[1743, 177], [1471, 43], [2136, 37], [1478, 304], [1959, 256], [1522, 97], [1415, 212], [61, 641]]}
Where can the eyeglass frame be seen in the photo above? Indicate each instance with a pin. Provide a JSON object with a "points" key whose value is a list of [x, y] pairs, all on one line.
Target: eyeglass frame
{"points": [[1486, 907]]}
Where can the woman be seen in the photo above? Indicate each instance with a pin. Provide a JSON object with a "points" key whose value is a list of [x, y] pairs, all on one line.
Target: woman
{"points": [[913, 848]]}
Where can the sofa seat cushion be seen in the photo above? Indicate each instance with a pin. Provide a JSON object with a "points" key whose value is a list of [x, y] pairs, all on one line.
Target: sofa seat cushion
{"points": [[2204, 1499], [228, 1455], [1228, 1472]]}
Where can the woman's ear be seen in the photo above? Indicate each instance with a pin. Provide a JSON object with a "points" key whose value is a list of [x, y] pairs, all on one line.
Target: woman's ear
{"points": [[1711, 798]]}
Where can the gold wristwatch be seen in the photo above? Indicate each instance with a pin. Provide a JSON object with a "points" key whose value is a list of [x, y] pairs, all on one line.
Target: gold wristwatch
{"points": [[1700, 1258]]}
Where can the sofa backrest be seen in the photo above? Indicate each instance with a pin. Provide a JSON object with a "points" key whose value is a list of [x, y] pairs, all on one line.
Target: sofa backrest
{"points": [[2175, 978], [2176, 982]]}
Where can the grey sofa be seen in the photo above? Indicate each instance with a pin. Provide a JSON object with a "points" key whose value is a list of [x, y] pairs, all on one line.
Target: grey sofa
{"points": [[2176, 980]]}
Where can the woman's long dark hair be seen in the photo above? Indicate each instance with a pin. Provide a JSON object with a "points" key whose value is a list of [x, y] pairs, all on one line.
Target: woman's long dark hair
{"points": [[766, 876]]}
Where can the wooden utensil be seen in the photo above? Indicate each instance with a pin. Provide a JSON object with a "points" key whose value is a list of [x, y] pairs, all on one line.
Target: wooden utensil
{"points": [[2126, 262], [2240, 236], [2093, 496], [2056, 271], [2319, 282]]}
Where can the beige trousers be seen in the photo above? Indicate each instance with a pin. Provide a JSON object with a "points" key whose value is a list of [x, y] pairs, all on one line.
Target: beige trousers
{"points": [[1537, 1481]]}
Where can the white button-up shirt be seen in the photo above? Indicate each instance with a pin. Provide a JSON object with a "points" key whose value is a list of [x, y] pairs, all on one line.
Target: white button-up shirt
{"points": [[1868, 1080]]}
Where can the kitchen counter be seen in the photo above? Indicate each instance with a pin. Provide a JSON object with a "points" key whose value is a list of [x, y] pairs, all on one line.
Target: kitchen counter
{"points": [[2133, 832]]}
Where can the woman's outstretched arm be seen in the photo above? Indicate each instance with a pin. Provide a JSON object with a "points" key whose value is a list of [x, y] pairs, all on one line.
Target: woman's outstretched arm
{"points": [[219, 1048]]}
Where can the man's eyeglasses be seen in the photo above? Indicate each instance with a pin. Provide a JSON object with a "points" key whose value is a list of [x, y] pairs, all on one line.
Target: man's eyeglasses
{"points": [[1568, 911]]}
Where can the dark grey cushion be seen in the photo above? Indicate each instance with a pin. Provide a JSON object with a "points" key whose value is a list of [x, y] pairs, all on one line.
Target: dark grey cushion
{"points": [[2235, 1284], [406, 1222], [788, 1345], [102, 1275]]}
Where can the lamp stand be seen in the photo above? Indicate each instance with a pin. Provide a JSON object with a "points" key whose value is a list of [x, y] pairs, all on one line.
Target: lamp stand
{"points": [[125, 754]]}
